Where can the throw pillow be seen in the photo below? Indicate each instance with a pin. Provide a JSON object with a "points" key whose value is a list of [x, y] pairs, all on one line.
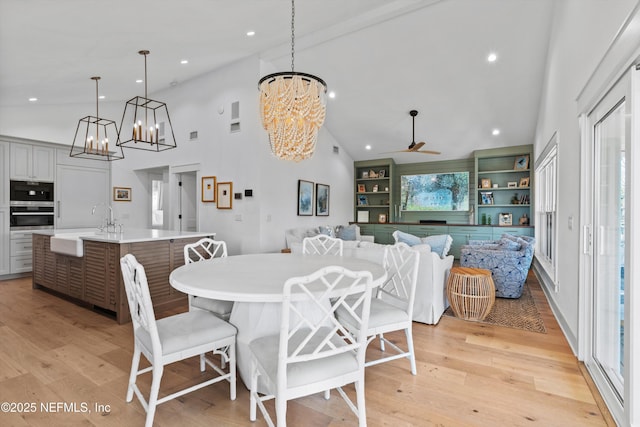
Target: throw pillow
{"points": [[509, 245], [440, 244], [326, 230], [407, 238], [347, 233]]}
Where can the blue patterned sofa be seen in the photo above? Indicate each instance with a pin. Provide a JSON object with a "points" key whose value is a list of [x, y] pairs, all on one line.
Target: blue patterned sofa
{"points": [[508, 259]]}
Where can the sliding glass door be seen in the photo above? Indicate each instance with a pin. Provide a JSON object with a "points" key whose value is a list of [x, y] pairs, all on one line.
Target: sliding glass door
{"points": [[610, 165]]}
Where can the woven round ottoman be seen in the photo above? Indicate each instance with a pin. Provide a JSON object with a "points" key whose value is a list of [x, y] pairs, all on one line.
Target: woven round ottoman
{"points": [[471, 292]]}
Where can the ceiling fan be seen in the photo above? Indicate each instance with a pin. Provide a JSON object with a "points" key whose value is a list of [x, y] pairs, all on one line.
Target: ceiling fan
{"points": [[415, 147]]}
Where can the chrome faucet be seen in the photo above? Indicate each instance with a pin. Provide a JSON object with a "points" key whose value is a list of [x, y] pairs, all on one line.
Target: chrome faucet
{"points": [[108, 218]]}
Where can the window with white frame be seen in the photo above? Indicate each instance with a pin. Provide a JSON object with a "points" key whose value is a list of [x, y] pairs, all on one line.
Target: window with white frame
{"points": [[546, 205]]}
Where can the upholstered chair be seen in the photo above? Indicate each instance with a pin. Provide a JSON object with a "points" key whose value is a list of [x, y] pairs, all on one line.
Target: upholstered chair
{"points": [[508, 259]]}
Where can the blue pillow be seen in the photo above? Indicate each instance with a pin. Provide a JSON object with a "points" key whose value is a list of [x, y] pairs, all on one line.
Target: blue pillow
{"points": [[347, 233], [509, 245], [407, 238], [328, 231], [440, 244]]}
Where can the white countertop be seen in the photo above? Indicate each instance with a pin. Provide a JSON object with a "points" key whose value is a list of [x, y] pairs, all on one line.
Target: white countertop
{"points": [[127, 236]]}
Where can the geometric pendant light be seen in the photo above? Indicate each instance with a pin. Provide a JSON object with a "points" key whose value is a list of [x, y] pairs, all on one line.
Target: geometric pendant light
{"points": [[292, 109], [145, 123], [93, 136]]}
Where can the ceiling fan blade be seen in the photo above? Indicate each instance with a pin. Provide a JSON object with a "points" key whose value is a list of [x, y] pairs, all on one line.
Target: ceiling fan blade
{"points": [[416, 147], [428, 152]]}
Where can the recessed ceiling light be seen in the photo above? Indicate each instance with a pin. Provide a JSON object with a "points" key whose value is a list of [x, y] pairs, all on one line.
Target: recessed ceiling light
{"points": [[184, 61], [139, 81], [251, 33], [33, 99], [332, 94], [492, 57], [367, 147], [101, 97], [495, 132]]}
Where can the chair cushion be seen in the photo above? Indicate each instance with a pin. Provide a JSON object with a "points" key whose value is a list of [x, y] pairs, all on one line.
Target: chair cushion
{"points": [[187, 330], [382, 313], [213, 305], [265, 351]]}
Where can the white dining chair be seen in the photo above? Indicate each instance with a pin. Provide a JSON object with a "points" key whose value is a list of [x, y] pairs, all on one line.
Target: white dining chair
{"points": [[392, 308], [322, 245], [313, 352], [171, 339], [202, 250]]}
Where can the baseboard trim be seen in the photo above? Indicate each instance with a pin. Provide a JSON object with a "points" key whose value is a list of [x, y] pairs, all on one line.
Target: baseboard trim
{"points": [[608, 418]]}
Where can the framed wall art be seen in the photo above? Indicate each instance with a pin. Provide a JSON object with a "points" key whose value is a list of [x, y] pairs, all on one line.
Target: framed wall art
{"points": [[208, 189], [224, 192], [322, 200], [521, 162], [305, 198], [505, 218], [121, 194]]}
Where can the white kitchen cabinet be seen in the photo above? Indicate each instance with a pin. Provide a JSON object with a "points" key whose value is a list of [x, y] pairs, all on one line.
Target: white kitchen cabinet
{"points": [[5, 267], [21, 251], [32, 162], [78, 189], [4, 174]]}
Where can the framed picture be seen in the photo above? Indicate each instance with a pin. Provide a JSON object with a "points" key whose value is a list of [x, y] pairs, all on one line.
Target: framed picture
{"points": [[224, 190], [363, 216], [505, 219], [361, 188], [382, 218], [522, 162], [375, 188], [524, 182], [208, 189], [382, 173], [485, 183], [486, 198], [305, 198], [121, 194], [513, 184], [365, 174], [322, 200], [362, 201]]}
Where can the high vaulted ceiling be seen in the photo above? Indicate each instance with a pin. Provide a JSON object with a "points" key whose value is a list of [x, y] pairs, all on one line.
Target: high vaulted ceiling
{"points": [[382, 58]]}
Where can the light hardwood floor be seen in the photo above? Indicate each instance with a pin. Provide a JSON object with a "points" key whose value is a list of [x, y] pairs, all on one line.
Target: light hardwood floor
{"points": [[54, 352]]}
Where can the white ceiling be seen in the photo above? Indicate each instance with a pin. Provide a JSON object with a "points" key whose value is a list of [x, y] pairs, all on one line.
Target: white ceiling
{"points": [[381, 57]]}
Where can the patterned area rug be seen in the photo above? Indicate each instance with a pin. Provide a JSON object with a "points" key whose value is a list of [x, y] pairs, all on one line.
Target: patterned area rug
{"points": [[520, 313]]}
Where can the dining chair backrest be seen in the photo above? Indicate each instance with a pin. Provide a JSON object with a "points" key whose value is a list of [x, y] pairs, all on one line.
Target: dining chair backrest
{"points": [[139, 298], [322, 245], [401, 263], [203, 249], [306, 336]]}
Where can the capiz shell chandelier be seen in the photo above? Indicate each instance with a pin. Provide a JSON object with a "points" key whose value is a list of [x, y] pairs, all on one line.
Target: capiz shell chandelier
{"points": [[293, 108]]}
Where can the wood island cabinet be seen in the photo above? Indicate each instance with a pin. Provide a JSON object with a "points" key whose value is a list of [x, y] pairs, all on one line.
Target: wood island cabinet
{"points": [[96, 280]]}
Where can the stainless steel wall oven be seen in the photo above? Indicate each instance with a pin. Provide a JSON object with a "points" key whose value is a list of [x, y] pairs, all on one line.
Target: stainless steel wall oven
{"points": [[31, 205]]}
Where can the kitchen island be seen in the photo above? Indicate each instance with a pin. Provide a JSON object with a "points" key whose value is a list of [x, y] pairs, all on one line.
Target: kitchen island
{"points": [[91, 275]]}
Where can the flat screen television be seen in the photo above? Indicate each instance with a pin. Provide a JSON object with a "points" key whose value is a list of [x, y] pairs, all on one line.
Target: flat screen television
{"points": [[435, 192]]}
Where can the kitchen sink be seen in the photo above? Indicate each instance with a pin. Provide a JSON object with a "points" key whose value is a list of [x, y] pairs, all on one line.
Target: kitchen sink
{"points": [[69, 243]]}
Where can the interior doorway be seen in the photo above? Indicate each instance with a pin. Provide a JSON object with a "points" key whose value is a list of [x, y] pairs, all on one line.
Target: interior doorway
{"points": [[187, 214]]}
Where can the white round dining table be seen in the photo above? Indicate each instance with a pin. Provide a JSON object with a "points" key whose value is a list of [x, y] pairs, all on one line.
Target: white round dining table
{"points": [[255, 283], [258, 277]]}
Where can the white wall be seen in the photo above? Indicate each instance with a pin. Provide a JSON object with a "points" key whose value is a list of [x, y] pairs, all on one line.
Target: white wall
{"points": [[581, 32]]}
